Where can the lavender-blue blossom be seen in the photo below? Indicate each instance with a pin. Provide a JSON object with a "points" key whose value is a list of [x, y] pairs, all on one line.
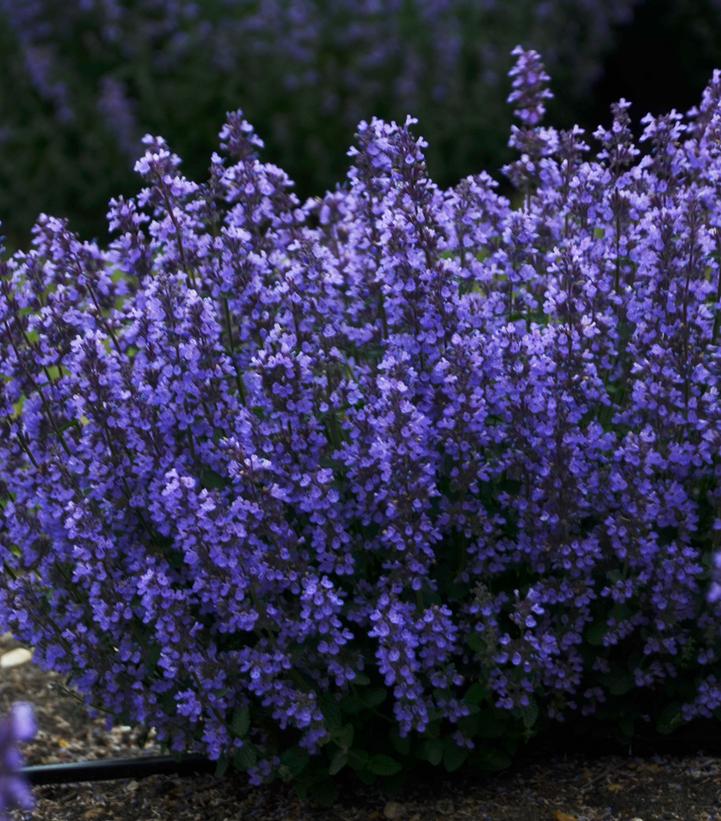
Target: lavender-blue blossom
{"points": [[16, 728]]}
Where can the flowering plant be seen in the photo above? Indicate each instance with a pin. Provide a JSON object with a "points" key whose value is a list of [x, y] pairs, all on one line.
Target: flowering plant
{"points": [[399, 472], [86, 78], [17, 727]]}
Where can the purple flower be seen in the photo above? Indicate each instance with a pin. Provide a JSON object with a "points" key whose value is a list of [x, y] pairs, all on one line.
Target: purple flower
{"points": [[19, 726]]}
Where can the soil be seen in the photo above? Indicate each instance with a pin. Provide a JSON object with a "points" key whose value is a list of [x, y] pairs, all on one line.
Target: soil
{"points": [[556, 788]]}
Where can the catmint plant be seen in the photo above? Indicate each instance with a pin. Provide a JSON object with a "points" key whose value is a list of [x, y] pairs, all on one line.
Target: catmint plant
{"points": [[395, 473]]}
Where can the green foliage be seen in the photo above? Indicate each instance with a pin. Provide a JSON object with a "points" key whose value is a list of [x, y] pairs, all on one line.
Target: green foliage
{"points": [[69, 151]]}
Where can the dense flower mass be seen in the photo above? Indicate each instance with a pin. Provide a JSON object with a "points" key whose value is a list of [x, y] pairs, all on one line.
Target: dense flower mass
{"points": [[88, 77], [434, 457], [16, 728]]}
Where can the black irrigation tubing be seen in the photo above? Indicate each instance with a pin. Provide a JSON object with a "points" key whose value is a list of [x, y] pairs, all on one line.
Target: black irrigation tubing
{"points": [[110, 769]]}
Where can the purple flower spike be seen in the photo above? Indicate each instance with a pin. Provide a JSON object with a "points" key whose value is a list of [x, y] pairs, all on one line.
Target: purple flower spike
{"points": [[18, 727]]}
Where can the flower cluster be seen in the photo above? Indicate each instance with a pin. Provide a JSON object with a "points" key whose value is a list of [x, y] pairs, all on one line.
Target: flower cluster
{"points": [[396, 451], [16, 728], [93, 75]]}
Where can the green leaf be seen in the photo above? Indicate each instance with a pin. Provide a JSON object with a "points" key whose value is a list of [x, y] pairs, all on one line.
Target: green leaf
{"points": [[331, 712], [302, 787], [245, 758], [295, 761], [222, 766], [339, 760], [619, 683], [530, 715], [153, 656], [361, 679], [241, 721], [210, 480], [596, 632], [453, 757], [670, 719], [373, 696], [490, 759], [626, 727], [469, 724], [351, 704], [475, 694], [401, 745], [620, 612], [432, 751], [509, 744], [358, 760], [476, 642], [433, 730], [490, 725], [366, 776], [344, 736], [384, 765]]}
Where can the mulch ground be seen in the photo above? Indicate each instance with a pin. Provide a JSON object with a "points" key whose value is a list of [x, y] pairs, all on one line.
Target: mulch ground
{"points": [[559, 788]]}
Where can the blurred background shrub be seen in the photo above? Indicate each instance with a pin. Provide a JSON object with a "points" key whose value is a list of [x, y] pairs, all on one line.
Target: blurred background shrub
{"points": [[82, 80]]}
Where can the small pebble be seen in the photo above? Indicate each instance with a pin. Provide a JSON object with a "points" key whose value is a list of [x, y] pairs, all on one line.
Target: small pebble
{"points": [[393, 810], [14, 658]]}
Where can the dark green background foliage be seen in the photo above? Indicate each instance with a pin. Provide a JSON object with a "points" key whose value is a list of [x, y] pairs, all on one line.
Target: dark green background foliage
{"points": [[182, 89]]}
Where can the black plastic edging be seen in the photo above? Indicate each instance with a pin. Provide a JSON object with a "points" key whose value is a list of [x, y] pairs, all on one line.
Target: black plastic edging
{"points": [[110, 769]]}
